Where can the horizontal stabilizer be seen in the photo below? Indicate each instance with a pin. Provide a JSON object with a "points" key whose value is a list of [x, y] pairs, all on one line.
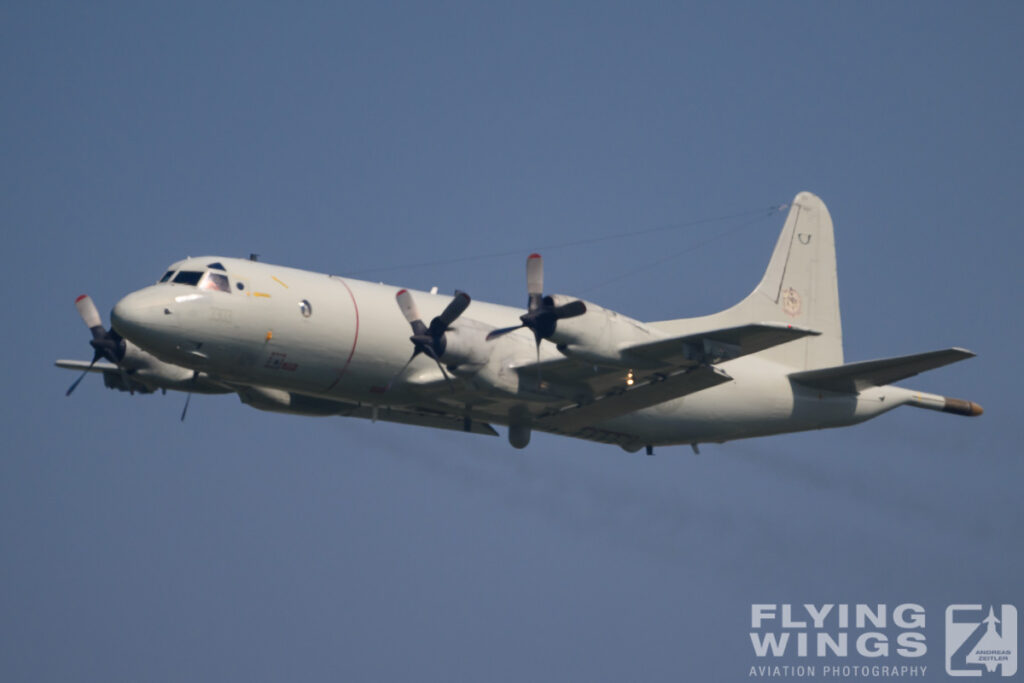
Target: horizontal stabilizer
{"points": [[716, 346], [854, 377]]}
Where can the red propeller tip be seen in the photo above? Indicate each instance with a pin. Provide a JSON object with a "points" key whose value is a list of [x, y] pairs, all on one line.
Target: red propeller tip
{"points": [[80, 297], [401, 292], [534, 256]]}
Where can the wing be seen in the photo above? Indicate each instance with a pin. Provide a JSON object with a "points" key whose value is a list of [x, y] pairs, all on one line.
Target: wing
{"points": [[113, 377], [80, 365], [658, 388], [645, 375], [656, 359], [572, 396]]}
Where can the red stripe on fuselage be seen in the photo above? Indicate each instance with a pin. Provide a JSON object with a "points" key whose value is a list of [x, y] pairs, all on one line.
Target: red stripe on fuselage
{"points": [[355, 339]]}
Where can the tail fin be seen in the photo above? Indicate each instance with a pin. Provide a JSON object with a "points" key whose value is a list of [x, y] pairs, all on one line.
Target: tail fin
{"points": [[799, 287]]}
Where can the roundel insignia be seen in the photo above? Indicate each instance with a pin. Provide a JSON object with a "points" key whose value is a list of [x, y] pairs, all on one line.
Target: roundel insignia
{"points": [[791, 303]]}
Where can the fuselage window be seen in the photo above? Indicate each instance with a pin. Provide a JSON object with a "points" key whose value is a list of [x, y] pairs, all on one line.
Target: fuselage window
{"points": [[215, 282], [187, 277], [305, 308], [167, 276]]}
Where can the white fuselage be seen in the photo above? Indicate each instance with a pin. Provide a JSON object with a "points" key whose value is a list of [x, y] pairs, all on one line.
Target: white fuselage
{"points": [[328, 337]]}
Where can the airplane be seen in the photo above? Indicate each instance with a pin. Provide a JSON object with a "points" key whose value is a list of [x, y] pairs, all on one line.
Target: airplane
{"points": [[304, 343]]}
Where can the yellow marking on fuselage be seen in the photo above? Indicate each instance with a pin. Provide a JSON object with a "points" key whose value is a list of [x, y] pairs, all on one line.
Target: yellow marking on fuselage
{"points": [[272, 277], [264, 294]]}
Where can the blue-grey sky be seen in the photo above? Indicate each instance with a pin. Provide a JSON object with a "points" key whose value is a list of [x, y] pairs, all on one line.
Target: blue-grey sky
{"points": [[347, 138]]}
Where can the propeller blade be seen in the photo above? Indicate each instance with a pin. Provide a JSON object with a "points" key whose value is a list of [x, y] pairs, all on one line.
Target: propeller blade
{"points": [[430, 341], [429, 351], [569, 310], [452, 311], [188, 399], [87, 309], [85, 372], [407, 305], [423, 341], [534, 282], [541, 315], [103, 344], [534, 274], [451, 385], [74, 385], [415, 352], [107, 346], [538, 338], [494, 334]]}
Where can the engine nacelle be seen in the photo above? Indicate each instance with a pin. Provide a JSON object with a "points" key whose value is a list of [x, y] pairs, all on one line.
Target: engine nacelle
{"points": [[599, 335], [466, 348], [135, 359], [470, 356], [145, 373], [126, 382]]}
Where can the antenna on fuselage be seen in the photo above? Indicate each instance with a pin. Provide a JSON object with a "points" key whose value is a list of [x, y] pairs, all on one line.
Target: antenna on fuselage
{"points": [[254, 257]]}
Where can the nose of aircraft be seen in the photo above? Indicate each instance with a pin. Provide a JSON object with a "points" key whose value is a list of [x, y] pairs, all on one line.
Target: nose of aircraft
{"points": [[125, 318], [138, 316]]}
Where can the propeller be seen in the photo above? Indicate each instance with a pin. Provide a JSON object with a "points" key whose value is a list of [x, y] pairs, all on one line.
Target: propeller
{"points": [[188, 399], [430, 340], [106, 344], [542, 315]]}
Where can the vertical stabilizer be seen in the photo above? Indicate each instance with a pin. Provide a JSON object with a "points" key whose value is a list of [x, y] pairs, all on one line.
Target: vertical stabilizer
{"points": [[799, 287]]}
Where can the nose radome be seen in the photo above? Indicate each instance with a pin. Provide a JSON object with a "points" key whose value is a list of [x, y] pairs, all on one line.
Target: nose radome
{"points": [[129, 315], [144, 318], [121, 318]]}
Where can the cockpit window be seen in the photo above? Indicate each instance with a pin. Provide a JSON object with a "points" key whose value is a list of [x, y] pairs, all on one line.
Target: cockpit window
{"points": [[216, 282], [215, 266], [188, 277], [167, 276]]}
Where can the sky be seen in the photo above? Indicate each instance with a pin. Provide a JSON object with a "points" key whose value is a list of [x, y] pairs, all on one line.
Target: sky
{"points": [[437, 144]]}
